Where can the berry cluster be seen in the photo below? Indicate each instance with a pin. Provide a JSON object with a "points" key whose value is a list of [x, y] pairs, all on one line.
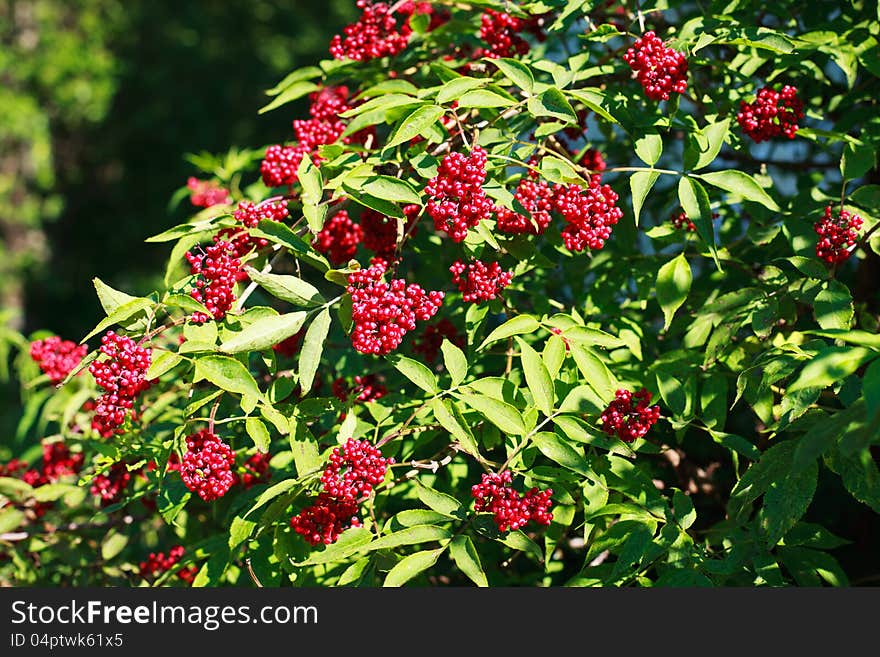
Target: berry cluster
{"points": [[511, 510], [279, 165], [158, 563], [217, 270], [681, 221], [109, 486], [629, 415], [660, 70], [205, 193], [772, 114], [56, 357], [354, 469], [206, 467], [500, 32], [256, 470], [836, 235], [122, 377], [339, 237], [374, 35], [249, 215], [429, 342], [380, 232], [590, 214], [58, 461], [382, 313], [593, 160], [366, 388], [478, 281], [536, 197], [457, 200]]}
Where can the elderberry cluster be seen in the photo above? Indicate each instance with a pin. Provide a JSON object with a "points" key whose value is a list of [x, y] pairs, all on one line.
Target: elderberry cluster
{"points": [[772, 114], [380, 232], [339, 237], [56, 357], [256, 470], [457, 200], [109, 486], [659, 69], [354, 469], [217, 270], [836, 235], [157, 563], [478, 281], [205, 193], [382, 313], [511, 510], [122, 376], [249, 215], [681, 221], [590, 213], [375, 34], [366, 388], [536, 197], [500, 32], [629, 415], [206, 467], [429, 342]]}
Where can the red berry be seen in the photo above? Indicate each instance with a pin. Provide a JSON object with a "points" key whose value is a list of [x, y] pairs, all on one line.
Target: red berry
{"points": [[478, 281], [382, 313], [429, 342], [205, 193], [660, 70], [339, 237], [366, 388], [837, 235], [590, 214], [535, 196], [249, 215], [375, 34], [217, 270], [628, 416], [56, 357], [110, 485], [122, 377], [158, 563], [499, 31], [256, 470], [206, 467], [380, 232], [772, 114], [457, 200], [511, 510]]}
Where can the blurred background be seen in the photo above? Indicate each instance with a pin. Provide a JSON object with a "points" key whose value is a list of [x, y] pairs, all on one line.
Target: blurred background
{"points": [[100, 101]]}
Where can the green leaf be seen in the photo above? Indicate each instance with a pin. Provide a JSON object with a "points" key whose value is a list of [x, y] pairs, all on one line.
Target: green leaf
{"points": [[830, 365], [258, 433], [439, 502], [454, 88], [519, 541], [554, 355], [287, 288], [714, 135], [312, 182], [673, 286], [857, 160], [501, 414], [380, 205], [120, 314], [415, 372], [415, 124], [291, 93], [859, 474], [555, 449], [594, 100], [649, 147], [871, 389], [411, 536], [741, 184], [414, 517], [465, 556], [640, 184], [411, 566], [110, 298], [695, 202], [113, 544], [264, 333], [786, 501], [392, 189], [595, 372], [240, 530], [483, 98], [349, 542], [163, 361], [279, 233], [10, 519], [185, 302], [519, 325], [313, 348], [448, 419], [517, 72], [455, 361], [833, 306], [227, 374], [537, 378], [683, 509], [551, 102]]}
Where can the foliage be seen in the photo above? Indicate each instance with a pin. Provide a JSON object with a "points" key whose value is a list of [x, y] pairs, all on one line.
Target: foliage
{"points": [[762, 358]]}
